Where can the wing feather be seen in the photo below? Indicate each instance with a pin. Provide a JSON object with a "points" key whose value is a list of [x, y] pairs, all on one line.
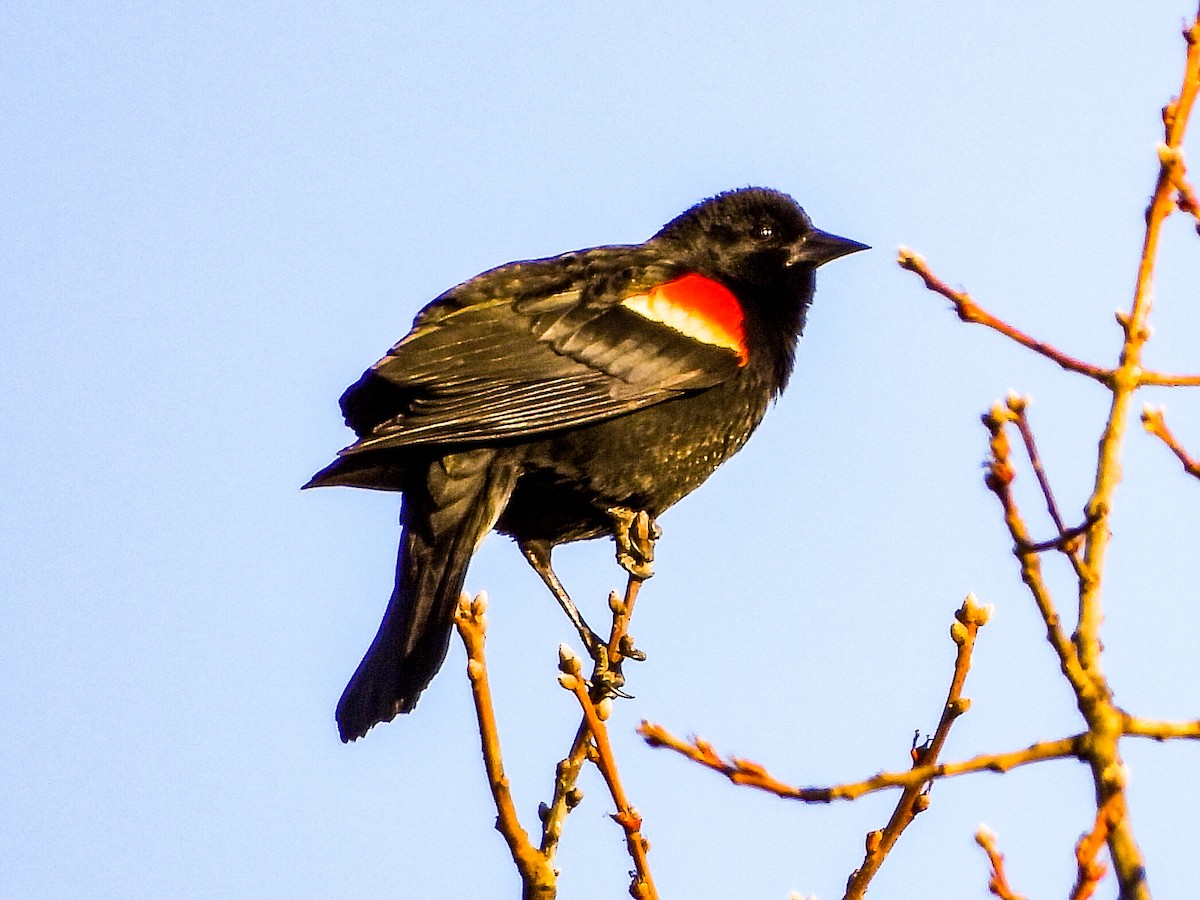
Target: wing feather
{"points": [[498, 358]]}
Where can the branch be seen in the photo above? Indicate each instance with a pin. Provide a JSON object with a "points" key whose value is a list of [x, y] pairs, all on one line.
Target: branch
{"points": [[1069, 539], [751, 774], [1163, 379], [642, 887], [1126, 377], [1185, 197], [1153, 422], [1104, 721], [538, 878], [969, 311], [998, 883], [1161, 731], [999, 479], [1090, 869], [969, 618], [1018, 405], [638, 533]]}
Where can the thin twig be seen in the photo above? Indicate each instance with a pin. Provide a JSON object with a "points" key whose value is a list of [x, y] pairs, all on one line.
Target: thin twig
{"points": [[1153, 422], [1091, 870], [1068, 539], [1185, 197], [1018, 406], [1160, 731], [969, 311], [969, 618], [1063, 543], [999, 479], [566, 794], [640, 532], [1163, 379], [998, 882], [538, 878], [751, 774], [1105, 722], [642, 887]]}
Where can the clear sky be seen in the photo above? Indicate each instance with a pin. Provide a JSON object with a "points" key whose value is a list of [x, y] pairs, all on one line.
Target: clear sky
{"points": [[214, 216]]}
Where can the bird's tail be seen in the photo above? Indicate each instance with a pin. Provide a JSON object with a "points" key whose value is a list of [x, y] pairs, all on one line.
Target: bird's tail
{"points": [[444, 517]]}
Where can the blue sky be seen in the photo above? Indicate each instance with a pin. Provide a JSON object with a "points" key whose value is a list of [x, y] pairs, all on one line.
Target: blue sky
{"points": [[214, 216]]}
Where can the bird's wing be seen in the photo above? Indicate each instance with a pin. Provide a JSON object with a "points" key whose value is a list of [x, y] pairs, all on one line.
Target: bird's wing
{"points": [[544, 345]]}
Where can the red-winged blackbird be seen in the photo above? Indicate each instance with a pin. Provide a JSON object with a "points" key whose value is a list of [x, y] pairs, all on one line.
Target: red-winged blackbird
{"points": [[541, 395]]}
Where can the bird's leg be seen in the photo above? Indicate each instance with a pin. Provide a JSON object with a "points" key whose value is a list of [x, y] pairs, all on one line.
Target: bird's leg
{"points": [[635, 534], [538, 555]]}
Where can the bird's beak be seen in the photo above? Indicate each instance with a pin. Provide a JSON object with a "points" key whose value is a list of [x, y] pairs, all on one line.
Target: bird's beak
{"points": [[819, 247]]}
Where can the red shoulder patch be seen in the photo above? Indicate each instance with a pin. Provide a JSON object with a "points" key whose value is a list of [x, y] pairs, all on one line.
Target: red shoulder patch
{"points": [[699, 307]]}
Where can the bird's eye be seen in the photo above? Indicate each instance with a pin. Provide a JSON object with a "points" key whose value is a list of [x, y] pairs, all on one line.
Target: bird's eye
{"points": [[765, 231]]}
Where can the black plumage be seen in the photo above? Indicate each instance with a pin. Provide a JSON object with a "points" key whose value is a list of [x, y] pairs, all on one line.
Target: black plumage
{"points": [[538, 396]]}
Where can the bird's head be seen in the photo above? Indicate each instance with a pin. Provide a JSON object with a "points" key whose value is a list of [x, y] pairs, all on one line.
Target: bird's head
{"points": [[755, 236]]}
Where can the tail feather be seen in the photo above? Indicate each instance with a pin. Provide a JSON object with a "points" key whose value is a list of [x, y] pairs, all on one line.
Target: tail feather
{"points": [[444, 517]]}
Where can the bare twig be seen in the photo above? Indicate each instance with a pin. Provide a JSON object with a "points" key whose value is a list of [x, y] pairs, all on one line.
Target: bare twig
{"points": [[969, 618], [1160, 731], [1126, 376], [1163, 379], [1080, 656], [642, 887], [1091, 870], [1018, 406], [1154, 422], [999, 479], [1065, 543], [998, 882], [1069, 540], [538, 878], [751, 774], [1105, 722], [969, 311], [638, 533], [566, 794], [1185, 197]]}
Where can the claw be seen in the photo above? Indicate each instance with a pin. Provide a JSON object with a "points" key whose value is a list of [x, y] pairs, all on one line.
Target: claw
{"points": [[635, 534]]}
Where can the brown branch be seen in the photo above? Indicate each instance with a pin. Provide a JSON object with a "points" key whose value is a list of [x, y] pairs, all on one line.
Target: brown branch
{"points": [[639, 534], [999, 479], [1092, 870], [969, 618], [1126, 377], [1018, 406], [566, 795], [1185, 198], [1064, 543], [1153, 422], [1080, 657], [1163, 379], [969, 311], [1160, 731], [1069, 539], [998, 882], [1105, 722], [538, 878], [642, 887], [751, 774]]}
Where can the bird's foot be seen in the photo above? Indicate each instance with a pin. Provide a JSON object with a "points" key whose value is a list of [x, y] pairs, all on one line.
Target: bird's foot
{"points": [[635, 533], [607, 680], [628, 651]]}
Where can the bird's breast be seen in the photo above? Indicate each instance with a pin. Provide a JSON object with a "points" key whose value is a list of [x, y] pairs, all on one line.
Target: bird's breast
{"points": [[648, 459]]}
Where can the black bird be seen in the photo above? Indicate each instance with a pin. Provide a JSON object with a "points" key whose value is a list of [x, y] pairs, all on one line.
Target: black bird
{"points": [[539, 396]]}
